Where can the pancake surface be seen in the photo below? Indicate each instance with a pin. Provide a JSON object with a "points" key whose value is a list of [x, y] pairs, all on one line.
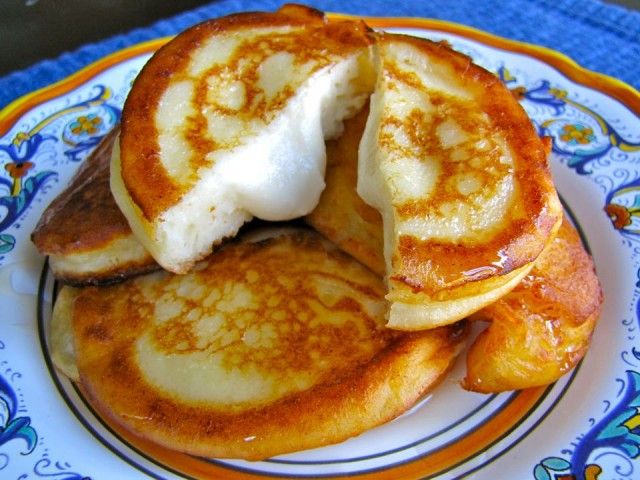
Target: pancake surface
{"points": [[461, 179], [265, 348], [83, 232], [237, 129]]}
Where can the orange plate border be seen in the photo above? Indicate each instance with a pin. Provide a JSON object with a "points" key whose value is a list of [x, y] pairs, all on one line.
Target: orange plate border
{"points": [[522, 404]]}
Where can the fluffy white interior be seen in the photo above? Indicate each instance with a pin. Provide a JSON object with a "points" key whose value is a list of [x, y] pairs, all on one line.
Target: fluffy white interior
{"points": [[275, 174], [370, 180]]}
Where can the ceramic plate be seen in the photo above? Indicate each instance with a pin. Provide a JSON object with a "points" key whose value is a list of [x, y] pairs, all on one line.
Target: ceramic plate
{"points": [[586, 426]]}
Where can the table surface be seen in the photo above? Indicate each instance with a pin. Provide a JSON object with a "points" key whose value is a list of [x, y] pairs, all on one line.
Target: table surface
{"points": [[40, 29]]}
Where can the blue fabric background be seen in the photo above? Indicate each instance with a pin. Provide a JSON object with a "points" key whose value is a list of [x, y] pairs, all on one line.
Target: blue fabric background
{"points": [[601, 37]]}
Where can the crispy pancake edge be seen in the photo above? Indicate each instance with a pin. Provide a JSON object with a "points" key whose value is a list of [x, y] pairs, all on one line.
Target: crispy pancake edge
{"points": [[553, 312]]}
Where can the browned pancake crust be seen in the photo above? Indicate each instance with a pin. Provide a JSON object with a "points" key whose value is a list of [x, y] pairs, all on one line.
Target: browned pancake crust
{"points": [[146, 180], [542, 328], [358, 394], [341, 215], [435, 267], [84, 218]]}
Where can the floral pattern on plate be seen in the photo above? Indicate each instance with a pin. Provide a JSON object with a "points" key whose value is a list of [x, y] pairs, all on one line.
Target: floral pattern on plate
{"points": [[587, 426]]}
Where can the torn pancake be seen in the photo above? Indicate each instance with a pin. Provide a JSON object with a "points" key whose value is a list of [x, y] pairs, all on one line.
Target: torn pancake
{"points": [[539, 331], [227, 121], [461, 179], [262, 349], [543, 327], [83, 232]]}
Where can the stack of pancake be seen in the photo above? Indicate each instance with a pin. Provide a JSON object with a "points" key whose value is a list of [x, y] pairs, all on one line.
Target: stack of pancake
{"points": [[430, 205]]}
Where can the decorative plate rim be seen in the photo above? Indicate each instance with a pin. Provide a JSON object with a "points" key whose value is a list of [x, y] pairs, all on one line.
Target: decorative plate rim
{"points": [[610, 86]]}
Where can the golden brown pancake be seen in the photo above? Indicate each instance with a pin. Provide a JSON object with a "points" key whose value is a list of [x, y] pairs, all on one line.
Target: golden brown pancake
{"points": [[553, 311], [83, 232], [227, 121], [455, 167], [543, 327], [262, 349]]}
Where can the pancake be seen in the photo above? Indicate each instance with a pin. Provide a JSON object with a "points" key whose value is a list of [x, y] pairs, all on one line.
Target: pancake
{"points": [[83, 232], [262, 349], [454, 165], [227, 121], [553, 310], [543, 327]]}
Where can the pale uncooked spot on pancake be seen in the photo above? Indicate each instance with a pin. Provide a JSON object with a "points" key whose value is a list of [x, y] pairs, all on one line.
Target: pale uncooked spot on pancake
{"points": [[451, 134], [234, 97], [174, 146], [167, 307], [174, 375], [410, 178], [276, 73], [175, 103], [216, 50], [468, 183], [227, 127]]}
